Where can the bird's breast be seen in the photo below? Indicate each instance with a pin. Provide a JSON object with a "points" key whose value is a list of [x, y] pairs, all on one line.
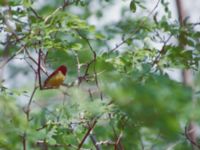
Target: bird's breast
{"points": [[56, 80]]}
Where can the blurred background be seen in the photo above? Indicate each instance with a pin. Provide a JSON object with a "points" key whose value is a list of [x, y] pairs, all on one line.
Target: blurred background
{"points": [[132, 81]]}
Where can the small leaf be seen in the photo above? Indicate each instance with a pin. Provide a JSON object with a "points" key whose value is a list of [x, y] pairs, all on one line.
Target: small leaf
{"points": [[91, 28], [76, 46], [99, 36], [26, 3], [129, 41], [133, 6]]}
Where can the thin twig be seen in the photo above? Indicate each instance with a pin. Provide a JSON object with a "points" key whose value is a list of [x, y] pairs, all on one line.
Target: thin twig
{"points": [[90, 94], [189, 139], [27, 111], [119, 145], [118, 142], [9, 59], [94, 141], [105, 143], [87, 134], [36, 63], [134, 31], [24, 141], [39, 66], [35, 13], [65, 4], [161, 52], [92, 61]]}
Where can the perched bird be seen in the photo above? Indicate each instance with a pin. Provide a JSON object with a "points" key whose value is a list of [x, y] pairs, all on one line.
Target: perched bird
{"points": [[56, 78]]}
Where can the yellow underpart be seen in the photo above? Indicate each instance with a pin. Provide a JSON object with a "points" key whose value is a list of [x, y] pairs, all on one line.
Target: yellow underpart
{"points": [[56, 80]]}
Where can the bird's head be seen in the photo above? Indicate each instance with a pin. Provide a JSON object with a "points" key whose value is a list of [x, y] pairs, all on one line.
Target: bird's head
{"points": [[63, 69]]}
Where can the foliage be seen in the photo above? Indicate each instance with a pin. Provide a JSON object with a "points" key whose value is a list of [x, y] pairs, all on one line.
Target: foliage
{"points": [[114, 97]]}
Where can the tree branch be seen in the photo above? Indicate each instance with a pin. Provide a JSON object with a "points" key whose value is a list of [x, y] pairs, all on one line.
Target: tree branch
{"points": [[94, 141], [9, 59], [27, 110], [24, 141], [87, 134], [189, 138], [92, 61]]}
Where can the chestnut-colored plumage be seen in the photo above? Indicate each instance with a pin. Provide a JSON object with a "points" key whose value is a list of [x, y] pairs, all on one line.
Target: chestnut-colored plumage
{"points": [[56, 78]]}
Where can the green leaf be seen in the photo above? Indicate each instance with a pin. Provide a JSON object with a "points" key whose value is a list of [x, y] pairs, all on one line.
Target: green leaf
{"points": [[91, 28], [99, 36], [133, 6], [26, 3], [76, 46]]}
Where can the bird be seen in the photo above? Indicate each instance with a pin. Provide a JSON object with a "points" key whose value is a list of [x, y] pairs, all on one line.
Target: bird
{"points": [[56, 78]]}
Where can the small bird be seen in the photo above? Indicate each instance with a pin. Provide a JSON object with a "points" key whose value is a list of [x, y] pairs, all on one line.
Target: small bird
{"points": [[56, 78]]}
